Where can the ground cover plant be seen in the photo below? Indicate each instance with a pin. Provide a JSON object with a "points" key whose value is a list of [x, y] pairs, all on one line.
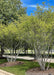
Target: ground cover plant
{"points": [[21, 69]]}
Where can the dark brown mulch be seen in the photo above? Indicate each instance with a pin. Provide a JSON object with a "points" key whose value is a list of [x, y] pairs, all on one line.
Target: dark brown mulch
{"points": [[11, 63], [37, 71]]}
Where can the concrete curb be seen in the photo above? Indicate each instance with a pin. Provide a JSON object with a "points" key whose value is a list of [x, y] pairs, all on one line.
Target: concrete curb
{"points": [[5, 73]]}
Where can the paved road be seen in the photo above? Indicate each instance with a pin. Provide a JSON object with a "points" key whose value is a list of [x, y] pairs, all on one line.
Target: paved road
{"points": [[28, 58], [5, 73], [20, 57]]}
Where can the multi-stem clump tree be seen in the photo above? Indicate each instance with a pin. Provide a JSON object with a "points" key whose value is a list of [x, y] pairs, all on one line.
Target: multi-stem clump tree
{"points": [[39, 34], [10, 10]]}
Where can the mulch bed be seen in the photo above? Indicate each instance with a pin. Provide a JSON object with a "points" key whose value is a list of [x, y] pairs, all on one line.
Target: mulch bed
{"points": [[11, 63], [37, 71]]}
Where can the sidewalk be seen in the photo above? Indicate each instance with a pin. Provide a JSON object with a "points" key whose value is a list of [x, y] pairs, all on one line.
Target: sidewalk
{"points": [[5, 73]]}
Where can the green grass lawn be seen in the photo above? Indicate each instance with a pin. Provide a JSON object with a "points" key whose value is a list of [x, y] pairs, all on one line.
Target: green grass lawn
{"points": [[20, 69]]}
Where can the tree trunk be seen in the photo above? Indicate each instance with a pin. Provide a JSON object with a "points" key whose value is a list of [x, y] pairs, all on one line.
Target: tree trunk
{"points": [[2, 51], [34, 54], [25, 51], [15, 52]]}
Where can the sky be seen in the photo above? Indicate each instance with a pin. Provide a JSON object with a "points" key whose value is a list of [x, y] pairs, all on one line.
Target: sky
{"points": [[32, 4]]}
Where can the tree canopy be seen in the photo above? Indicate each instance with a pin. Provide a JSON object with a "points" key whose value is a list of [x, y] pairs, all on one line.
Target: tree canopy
{"points": [[10, 10]]}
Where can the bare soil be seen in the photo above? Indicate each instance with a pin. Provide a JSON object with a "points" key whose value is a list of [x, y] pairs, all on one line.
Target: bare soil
{"points": [[11, 63], [38, 71]]}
